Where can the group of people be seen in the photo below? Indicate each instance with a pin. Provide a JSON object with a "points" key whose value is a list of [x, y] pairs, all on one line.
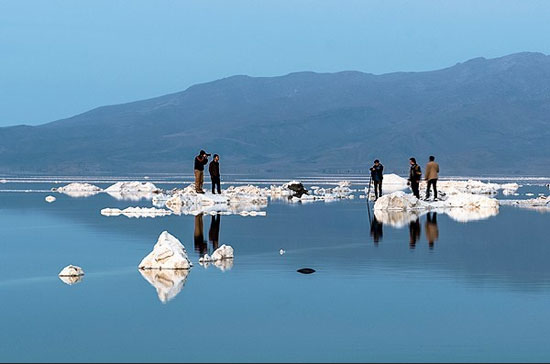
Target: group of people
{"points": [[415, 175], [213, 168], [377, 175]]}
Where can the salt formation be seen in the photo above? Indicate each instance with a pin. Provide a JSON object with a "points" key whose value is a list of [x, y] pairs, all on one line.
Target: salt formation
{"points": [[393, 183], [223, 252], [71, 271], [136, 212], [401, 201], [50, 199], [168, 253], [234, 200], [133, 186], [133, 190], [76, 189], [538, 202], [168, 283]]}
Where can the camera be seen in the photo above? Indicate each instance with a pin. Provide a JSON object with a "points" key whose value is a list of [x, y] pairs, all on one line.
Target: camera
{"points": [[207, 154]]}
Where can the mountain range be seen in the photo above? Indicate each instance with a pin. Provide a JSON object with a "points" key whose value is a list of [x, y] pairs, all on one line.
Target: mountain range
{"points": [[482, 117]]}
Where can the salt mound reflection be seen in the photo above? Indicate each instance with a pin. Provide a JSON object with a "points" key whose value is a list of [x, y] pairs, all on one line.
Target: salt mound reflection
{"points": [[167, 282]]}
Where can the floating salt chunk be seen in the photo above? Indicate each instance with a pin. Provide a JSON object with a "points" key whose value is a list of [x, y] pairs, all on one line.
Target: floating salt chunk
{"points": [[529, 194], [3, 181], [205, 258], [78, 189], [168, 253], [281, 252], [50, 199], [223, 252], [71, 271]]}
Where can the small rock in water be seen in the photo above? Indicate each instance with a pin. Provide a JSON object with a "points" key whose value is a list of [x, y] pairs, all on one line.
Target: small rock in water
{"points": [[306, 270], [71, 271], [50, 199], [281, 252]]}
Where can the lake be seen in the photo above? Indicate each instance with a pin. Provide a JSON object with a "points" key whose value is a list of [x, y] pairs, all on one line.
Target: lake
{"points": [[435, 289]]}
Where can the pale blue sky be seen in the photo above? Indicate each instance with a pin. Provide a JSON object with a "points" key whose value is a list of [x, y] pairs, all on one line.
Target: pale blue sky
{"points": [[60, 58]]}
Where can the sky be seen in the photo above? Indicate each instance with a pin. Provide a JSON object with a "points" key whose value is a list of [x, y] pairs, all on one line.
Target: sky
{"points": [[59, 58]]}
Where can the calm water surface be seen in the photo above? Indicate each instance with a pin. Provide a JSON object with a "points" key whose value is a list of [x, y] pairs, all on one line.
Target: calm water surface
{"points": [[479, 292]]}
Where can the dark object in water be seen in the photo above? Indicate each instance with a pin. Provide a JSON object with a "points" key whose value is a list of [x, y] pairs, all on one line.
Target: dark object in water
{"points": [[298, 189], [306, 270]]}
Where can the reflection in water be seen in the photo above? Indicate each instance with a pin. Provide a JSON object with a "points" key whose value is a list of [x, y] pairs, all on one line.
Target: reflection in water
{"points": [[200, 244], [397, 219], [431, 229], [414, 232], [376, 230], [167, 282], [214, 232], [401, 218], [70, 280]]}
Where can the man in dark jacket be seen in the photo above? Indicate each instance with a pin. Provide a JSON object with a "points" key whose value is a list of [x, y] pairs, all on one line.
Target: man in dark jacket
{"points": [[214, 169], [376, 173], [200, 161], [414, 177]]}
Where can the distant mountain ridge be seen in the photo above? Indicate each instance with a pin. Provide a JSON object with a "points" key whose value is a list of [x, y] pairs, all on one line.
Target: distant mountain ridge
{"points": [[483, 116]]}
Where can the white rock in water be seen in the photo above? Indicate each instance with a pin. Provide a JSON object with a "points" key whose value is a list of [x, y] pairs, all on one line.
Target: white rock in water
{"points": [[50, 199], [168, 253], [133, 186], [205, 259], [168, 283], [3, 181], [281, 251], [223, 252], [78, 189], [71, 271]]}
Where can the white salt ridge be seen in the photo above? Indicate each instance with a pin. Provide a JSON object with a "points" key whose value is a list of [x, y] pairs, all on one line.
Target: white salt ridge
{"points": [[132, 190], [401, 201], [167, 282], [50, 199], [71, 271], [77, 189], [136, 212], [540, 201], [234, 200], [168, 253]]}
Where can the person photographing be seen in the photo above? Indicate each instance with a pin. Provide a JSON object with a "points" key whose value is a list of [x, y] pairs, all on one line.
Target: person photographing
{"points": [[200, 161]]}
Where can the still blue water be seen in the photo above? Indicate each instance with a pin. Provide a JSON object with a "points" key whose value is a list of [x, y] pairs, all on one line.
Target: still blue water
{"points": [[480, 292]]}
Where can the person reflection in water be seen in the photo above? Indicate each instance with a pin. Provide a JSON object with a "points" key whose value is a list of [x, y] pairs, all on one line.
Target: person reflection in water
{"points": [[200, 245], [414, 232], [376, 230], [214, 232], [432, 231]]}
